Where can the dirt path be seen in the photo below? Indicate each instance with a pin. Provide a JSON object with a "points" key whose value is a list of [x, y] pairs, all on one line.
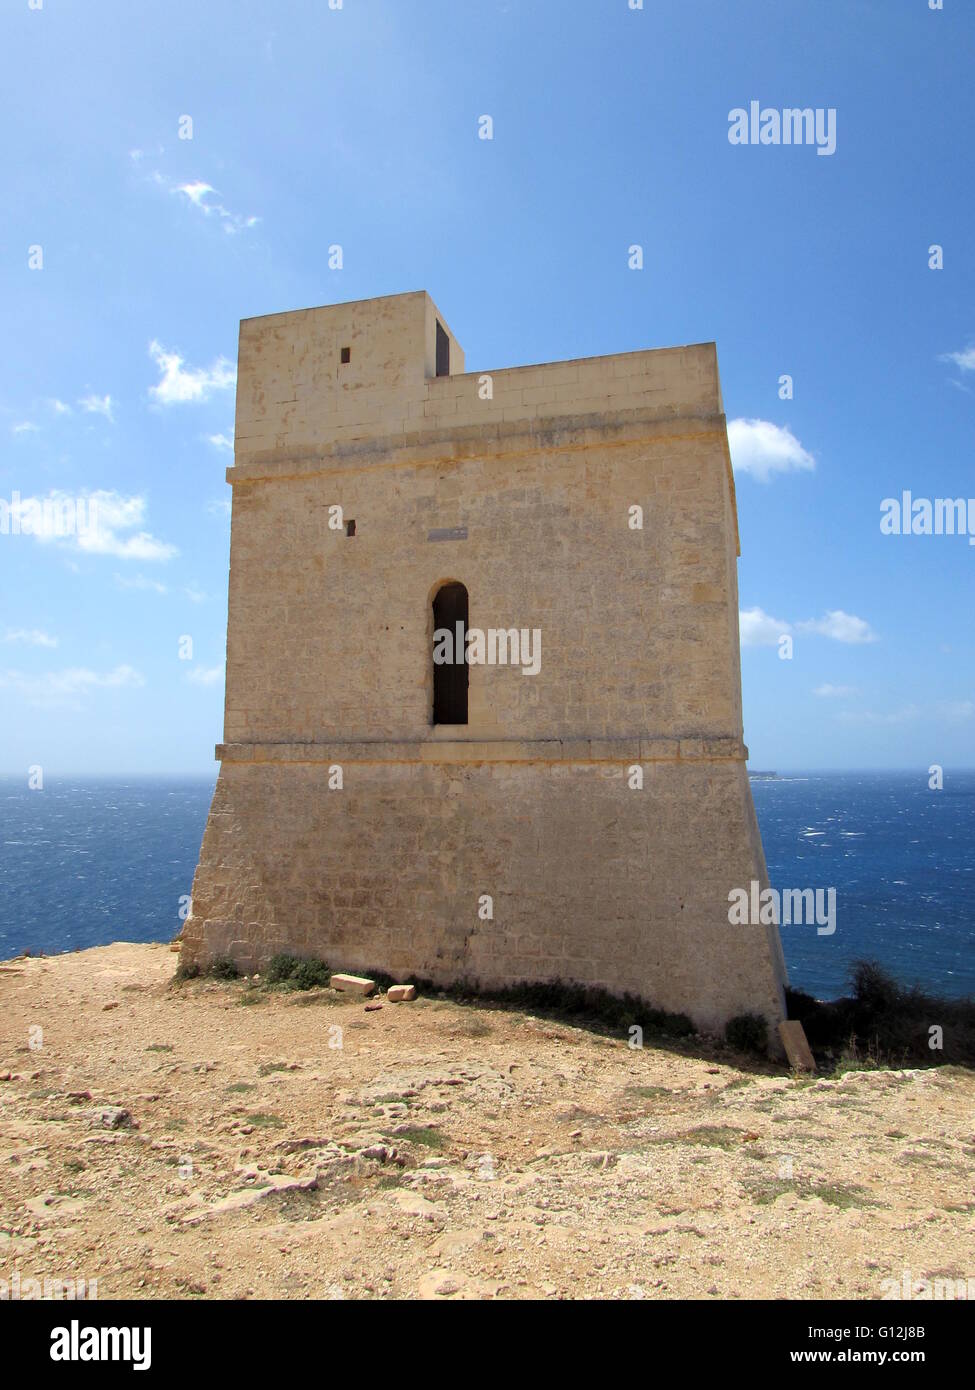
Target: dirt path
{"points": [[444, 1151]]}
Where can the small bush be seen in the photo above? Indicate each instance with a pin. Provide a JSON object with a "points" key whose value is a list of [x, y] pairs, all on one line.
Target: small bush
{"points": [[292, 972], [223, 969], [747, 1033], [280, 968], [311, 974]]}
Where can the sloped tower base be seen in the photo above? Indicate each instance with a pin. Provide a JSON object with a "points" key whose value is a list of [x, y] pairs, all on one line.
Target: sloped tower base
{"points": [[591, 881]]}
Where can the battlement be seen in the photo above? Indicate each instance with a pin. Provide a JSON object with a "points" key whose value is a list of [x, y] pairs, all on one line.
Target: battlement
{"points": [[390, 370]]}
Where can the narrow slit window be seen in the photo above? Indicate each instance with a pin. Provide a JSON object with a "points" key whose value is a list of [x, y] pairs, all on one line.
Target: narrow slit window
{"points": [[443, 351], [450, 670], [350, 528], [346, 354]]}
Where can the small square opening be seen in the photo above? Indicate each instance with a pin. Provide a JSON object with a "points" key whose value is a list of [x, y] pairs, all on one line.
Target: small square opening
{"points": [[346, 354], [350, 528]]}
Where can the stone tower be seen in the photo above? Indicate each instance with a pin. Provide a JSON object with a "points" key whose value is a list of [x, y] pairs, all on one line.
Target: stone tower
{"points": [[589, 819]]}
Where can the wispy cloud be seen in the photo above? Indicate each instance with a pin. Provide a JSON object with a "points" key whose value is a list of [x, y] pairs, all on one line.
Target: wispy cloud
{"points": [[205, 675], [762, 449], [222, 441], [205, 197], [759, 629], [965, 360], [31, 637], [68, 687], [957, 710], [905, 715], [835, 692], [25, 427], [179, 384], [139, 581], [842, 627], [98, 405]]}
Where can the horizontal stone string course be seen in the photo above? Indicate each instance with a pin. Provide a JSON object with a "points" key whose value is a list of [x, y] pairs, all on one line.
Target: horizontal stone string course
{"points": [[537, 750]]}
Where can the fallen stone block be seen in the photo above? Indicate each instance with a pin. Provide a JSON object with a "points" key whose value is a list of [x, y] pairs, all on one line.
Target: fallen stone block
{"points": [[793, 1037], [397, 994], [352, 984]]}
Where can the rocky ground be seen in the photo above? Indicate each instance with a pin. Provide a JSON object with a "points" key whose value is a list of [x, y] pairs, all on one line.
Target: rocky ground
{"points": [[182, 1142]]}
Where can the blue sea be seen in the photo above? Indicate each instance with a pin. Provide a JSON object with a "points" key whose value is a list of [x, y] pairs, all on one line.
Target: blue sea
{"points": [[83, 863]]}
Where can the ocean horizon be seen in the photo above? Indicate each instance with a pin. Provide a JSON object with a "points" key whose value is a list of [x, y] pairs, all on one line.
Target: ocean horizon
{"points": [[88, 861]]}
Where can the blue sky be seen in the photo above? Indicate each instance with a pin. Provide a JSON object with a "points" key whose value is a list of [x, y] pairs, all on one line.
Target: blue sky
{"points": [[358, 126]]}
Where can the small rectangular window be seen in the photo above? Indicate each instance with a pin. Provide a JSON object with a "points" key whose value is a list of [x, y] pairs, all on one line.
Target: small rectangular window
{"points": [[346, 354], [443, 351], [350, 528]]}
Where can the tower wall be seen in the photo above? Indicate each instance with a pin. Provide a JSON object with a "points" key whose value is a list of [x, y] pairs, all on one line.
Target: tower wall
{"points": [[525, 497]]}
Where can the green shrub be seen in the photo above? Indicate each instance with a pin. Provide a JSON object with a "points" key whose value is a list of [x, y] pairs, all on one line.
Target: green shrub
{"points": [[292, 972], [747, 1033], [223, 969]]}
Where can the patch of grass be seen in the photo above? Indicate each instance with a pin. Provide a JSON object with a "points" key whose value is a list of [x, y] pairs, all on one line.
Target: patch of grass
{"points": [[251, 996], [160, 1047], [260, 1119], [424, 1135], [266, 1068], [765, 1191], [713, 1136], [471, 1028], [649, 1092], [240, 1086]]}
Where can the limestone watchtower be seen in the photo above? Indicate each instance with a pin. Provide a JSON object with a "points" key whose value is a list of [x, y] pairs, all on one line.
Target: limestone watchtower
{"points": [[572, 808]]}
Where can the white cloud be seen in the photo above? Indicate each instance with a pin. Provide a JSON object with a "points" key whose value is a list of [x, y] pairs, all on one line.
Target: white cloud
{"points": [[205, 675], [194, 594], [33, 637], [222, 441], [842, 627], [179, 384], [93, 523], [760, 448], [835, 692], [759, 629], [60, 407], [965, 360], [204, 197], [139, 581], [220, 506], [68, 687], [25, 427], [98, 405]]}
